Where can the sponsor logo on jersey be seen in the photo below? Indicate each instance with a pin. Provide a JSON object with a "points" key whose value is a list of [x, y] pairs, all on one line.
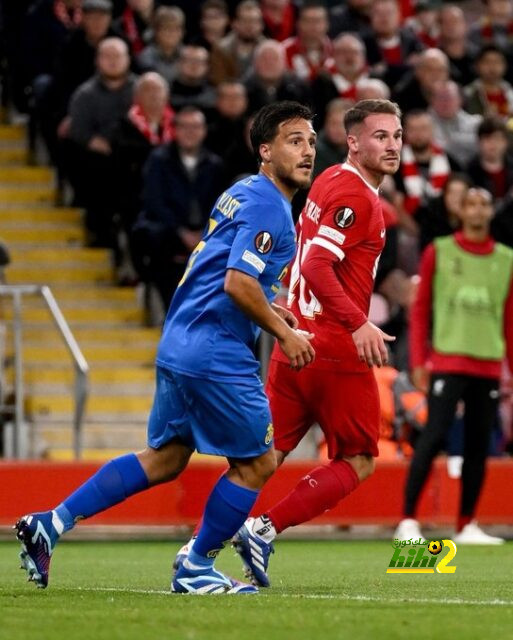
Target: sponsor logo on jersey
{"points": [[263, 242], [344, 217], [270, 433], [254, 261], [332, 234]]}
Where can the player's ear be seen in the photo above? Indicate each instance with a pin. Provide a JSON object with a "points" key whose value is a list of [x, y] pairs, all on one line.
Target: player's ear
{"points": [[352, 143], [265, 152]]}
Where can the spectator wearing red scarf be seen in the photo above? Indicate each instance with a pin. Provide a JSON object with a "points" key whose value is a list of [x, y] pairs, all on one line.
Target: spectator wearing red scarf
{"points": [[495, 27], [134, 24], [148, 123], [390, 46], [308, 51], [279, 19], [341, 73]]}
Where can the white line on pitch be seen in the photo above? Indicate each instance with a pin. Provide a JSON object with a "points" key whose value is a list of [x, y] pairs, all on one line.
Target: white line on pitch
{"points": [[326, 596]]}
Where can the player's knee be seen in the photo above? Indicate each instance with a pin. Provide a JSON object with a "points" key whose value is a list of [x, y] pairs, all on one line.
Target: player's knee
{"points": [[255, 473], [265, 466]]}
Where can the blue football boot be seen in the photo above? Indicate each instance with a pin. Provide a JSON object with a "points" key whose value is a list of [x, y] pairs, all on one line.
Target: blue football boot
{"points": [[209, 582], [254, 552], [38, 534]]}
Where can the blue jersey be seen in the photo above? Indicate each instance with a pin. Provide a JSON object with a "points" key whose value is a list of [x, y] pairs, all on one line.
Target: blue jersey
{"points": [[205, 334]]}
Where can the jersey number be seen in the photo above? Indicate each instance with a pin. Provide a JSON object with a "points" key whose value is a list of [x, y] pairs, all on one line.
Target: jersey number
{"points": [[308, 303], [192, 259]]}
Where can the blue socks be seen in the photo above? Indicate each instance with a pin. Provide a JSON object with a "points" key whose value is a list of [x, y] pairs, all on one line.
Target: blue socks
{"points": [[227, 508], [113, 483]]}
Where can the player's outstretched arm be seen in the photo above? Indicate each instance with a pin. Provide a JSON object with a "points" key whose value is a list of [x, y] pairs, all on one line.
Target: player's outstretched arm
{"points": [[248, 295]]}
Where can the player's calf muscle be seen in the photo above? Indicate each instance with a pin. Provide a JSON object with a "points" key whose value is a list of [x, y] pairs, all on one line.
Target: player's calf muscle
{"points": [[165, 464]]}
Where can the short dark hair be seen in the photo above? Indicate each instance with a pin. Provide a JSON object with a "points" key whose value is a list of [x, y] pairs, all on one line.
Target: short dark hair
{"points": [[312, 4], [491, 124], [358, 113], [489, 48], [214, 4], [268, 119]]}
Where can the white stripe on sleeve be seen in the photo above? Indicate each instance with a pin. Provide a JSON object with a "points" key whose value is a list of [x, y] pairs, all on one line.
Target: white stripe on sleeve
{"points": [[321, 242]]}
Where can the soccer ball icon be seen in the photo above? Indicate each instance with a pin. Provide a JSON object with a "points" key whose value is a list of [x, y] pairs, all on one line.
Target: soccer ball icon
{"points": [[434, 547]]}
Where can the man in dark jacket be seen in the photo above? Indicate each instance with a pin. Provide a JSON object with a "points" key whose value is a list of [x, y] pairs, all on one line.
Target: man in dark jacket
{"points": [[181, 183], [95, 109]]}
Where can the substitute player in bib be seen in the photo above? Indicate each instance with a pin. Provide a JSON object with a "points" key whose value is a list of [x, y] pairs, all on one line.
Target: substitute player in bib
{"points": [[209, 396], [341, 236]]}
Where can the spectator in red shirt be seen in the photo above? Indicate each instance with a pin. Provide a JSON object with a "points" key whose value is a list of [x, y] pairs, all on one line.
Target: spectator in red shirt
{"points": [[490, 93], [279, 18], [310, 49], [134, 24], [389, 46]]}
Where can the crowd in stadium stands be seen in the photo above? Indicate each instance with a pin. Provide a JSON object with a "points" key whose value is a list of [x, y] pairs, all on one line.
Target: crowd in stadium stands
{"points": [[144, 107]]}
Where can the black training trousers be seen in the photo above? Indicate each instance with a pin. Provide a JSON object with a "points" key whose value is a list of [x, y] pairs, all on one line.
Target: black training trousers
{"points": [[480, 396]]}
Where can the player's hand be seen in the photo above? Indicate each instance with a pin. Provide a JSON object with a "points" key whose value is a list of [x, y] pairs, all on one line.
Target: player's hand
{"points": [[296, 346], [370, 344], [420, 378], [286, 315]]}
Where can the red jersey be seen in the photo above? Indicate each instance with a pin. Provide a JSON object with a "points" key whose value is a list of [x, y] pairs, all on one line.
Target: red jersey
{"points": [[341, 233], [305, 64]]}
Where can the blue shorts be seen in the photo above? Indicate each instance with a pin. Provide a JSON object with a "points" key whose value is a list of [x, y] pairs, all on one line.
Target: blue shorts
{"points": [[230, 419]]}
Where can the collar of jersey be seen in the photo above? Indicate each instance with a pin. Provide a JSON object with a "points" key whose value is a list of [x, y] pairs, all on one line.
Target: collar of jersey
{"points": [[349, 167], [262, 175]]}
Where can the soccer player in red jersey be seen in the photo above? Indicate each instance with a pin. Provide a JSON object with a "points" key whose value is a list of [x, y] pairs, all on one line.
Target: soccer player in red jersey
{"points": [[341, 234]]}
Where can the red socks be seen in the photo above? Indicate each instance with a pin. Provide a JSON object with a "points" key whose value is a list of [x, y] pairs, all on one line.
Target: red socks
{"points": [[317, 492]]}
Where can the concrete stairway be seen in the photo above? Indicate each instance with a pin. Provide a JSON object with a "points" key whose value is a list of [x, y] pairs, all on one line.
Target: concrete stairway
{"points": [[47, 247]]}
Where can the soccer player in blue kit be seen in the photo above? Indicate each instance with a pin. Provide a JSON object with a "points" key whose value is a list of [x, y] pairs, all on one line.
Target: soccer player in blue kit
{"points": [[209, 396]]}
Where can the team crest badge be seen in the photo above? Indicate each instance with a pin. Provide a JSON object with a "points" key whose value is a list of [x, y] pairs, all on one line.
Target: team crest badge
{"points": [[344, 217], [270, 433], [263, 242]]}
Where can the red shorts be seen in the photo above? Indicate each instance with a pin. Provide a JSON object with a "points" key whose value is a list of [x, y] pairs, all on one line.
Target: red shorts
{"points": [[345, 404]]}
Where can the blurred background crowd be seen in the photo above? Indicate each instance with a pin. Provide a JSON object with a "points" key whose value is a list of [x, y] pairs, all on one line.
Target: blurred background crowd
{"points": [[144, 107]]}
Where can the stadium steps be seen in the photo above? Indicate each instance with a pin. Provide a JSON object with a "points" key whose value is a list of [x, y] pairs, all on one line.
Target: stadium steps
{"points": [[46, 244]]}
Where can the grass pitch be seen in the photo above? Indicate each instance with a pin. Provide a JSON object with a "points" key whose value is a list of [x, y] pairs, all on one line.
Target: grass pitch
{"points": [[321, 590]]}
